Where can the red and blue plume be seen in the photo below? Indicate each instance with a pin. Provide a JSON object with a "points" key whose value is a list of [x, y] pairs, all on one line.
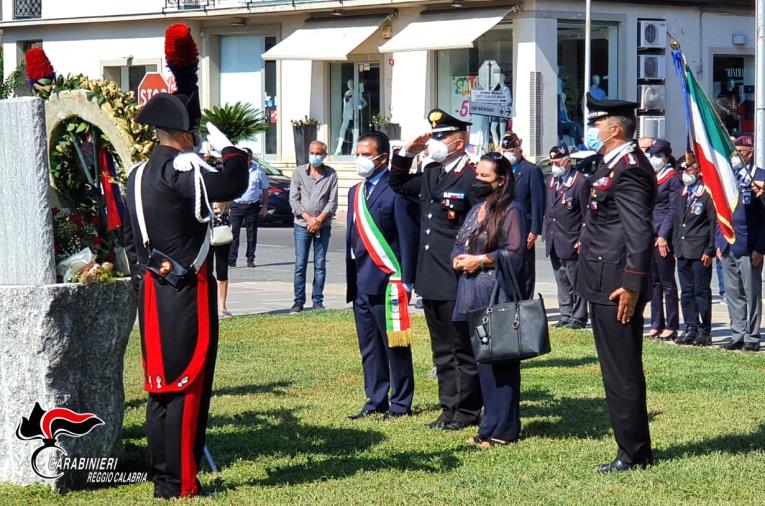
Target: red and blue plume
{"points": [[182, 57], [38, 65]]}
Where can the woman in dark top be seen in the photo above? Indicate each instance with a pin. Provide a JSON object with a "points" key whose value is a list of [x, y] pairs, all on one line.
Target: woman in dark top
{"points": [[220, 255], [495, 225]]}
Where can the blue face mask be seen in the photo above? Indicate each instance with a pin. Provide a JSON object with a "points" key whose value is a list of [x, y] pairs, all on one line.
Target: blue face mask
{"points": [[316, 160], [592, 139]]}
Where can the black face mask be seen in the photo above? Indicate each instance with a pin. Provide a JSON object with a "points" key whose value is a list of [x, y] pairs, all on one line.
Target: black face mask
{"points": [[479, 190]]}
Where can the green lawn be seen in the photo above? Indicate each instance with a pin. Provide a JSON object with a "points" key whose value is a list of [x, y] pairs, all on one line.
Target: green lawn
{"points": [[284, 385]]}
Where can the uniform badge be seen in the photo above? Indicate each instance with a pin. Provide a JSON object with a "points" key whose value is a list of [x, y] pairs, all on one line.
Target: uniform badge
{"points": [[603, 183], [697, 208], [569, 203], [165, 267], [452, 215], [746, 196]]}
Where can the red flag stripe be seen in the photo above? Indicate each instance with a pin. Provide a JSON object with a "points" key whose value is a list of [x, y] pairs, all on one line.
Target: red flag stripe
{"points": [[715, 188]]}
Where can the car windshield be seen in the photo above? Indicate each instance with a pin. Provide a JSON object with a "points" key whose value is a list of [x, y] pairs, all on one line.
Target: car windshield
{"points": [[268, 169]]}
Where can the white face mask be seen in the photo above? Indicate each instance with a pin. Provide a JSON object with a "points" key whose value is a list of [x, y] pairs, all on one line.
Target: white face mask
{"points": [[689, 179], [438, 151], [511, 157], [558, 170], [657, 162], [366, 166]]}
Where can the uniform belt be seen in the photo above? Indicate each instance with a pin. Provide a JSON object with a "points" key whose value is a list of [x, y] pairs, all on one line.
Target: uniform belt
{"points": [[247, 202]]}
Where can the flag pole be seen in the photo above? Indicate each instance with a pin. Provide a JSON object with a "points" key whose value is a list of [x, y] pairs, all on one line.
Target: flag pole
{"points": [[759, 88], [587, 55]]}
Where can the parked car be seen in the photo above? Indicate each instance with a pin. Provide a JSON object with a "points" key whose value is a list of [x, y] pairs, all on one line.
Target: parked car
{"points": [[279, 210]]}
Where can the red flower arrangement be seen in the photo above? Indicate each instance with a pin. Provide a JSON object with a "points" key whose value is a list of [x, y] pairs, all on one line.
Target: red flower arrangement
{"points": [[38, 65], [180, 48]]}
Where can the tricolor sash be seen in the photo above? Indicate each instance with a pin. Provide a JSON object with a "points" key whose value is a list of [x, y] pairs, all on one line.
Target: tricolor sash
{"points": [[397, 321]]}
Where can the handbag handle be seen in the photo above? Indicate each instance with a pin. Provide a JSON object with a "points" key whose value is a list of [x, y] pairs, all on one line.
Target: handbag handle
{"points": [[506, 272]]}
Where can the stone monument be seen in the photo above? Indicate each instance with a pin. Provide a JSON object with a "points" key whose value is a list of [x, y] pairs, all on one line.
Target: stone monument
{"points": [[61, 345]]}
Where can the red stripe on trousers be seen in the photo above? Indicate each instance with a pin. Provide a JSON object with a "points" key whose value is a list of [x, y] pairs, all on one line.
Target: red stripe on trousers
{"points": [[194, 394], [152, 343]]}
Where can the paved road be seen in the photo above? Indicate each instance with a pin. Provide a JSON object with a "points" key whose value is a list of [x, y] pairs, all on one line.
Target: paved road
{"points": [[268, 287]]}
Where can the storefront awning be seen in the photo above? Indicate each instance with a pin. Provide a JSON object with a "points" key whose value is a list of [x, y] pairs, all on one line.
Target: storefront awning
{"points": [[325, 39], [453, 29]]}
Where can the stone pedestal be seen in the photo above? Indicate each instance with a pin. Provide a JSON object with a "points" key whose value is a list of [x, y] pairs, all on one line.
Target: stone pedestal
{"points": [[63, 346]]}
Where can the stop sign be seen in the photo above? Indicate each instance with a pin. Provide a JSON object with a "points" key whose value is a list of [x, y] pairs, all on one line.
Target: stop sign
{"points": [[151, 84]]}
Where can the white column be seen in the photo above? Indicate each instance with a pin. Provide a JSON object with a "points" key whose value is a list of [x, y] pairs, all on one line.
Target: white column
{"points": [[535, 50], [294, 100], [409, 93]]}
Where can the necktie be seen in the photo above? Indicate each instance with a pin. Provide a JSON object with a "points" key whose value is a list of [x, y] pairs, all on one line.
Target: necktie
{"points": [[368, 187]]}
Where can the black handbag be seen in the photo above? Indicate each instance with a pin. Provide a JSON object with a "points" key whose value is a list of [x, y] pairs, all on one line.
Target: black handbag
{"points": [[511, 331], [167, 270]]}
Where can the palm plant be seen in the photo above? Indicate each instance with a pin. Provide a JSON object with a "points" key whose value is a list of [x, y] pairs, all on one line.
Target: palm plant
{"points": [[240, 121]]}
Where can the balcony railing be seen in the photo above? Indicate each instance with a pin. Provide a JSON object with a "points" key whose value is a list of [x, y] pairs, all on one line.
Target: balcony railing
{"points": [[27, 9], [190, 5]]}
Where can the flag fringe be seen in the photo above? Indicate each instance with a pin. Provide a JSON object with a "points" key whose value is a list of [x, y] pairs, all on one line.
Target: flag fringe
{"points": [[400, 338]]}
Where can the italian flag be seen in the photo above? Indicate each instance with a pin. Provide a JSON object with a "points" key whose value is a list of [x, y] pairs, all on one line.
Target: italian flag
{"points": [[713, 148]]}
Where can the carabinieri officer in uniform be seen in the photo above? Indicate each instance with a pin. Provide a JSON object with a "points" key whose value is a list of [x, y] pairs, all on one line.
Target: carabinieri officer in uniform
{"points": [[614, 265], [443, 191], [167, 235]]}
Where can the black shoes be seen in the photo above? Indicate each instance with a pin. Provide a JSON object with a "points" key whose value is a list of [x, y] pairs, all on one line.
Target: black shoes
{"points": [[458, 425], [232, 264], [703, 339], [392, 416], [670, 337], [317, 306], [250, 263], [733, 345], [364, 413], [296, 308], [561, 324], [439, 423], [751, 346], [616, 466], [574, 325], [687, 337]]}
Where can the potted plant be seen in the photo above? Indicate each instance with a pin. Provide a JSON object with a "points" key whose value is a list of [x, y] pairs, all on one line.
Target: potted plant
{"points": [[304, 130], [381, 123], [239, 121]]}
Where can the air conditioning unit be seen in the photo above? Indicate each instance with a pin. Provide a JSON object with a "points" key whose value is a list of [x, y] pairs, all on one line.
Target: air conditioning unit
{"points": [[651, 126], [651, 96], [653, 35], [651, 66]]}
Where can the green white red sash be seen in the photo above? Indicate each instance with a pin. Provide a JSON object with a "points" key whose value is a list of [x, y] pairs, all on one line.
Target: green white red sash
{"points": [[397, 321]]}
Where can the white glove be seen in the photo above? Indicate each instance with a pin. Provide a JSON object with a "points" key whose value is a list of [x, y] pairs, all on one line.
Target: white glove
{"points": [[216, 138]]}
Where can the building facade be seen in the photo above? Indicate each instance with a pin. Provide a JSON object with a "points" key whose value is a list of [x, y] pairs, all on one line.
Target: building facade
{"points": [[350, 64]]}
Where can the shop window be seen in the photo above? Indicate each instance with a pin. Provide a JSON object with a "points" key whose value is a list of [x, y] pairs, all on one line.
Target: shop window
{"points": [[128, 77], [488, 65], [604, 73], [733, 92], [354, 102], [270, 103]]}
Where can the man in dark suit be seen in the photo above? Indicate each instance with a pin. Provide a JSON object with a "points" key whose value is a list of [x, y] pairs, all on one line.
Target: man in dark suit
{"points": [[443, 192], [742, 260], [614, 265], [530, 193], [693, 237], [563, 223], [381, 222]]}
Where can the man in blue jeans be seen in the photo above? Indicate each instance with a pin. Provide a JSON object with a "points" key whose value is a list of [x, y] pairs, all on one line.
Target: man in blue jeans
{"points": [[313, 198]]}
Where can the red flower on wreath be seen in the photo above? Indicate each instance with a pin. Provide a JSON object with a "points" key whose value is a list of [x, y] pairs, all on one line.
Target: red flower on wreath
{"points": [[55, 211], [76, 219], [111, 256], [38, 65], [95, 220], [98, 241]]}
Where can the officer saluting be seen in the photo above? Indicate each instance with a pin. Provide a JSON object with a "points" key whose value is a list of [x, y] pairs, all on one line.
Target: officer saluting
{"points": [[442, 189], [615, 257], [168, 236]]}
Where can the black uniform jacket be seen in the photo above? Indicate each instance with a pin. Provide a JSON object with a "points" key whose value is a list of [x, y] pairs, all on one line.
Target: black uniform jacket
{"points": [[443, 207], [178, 327], [617, 238], [564, 214], [694, 224]]}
